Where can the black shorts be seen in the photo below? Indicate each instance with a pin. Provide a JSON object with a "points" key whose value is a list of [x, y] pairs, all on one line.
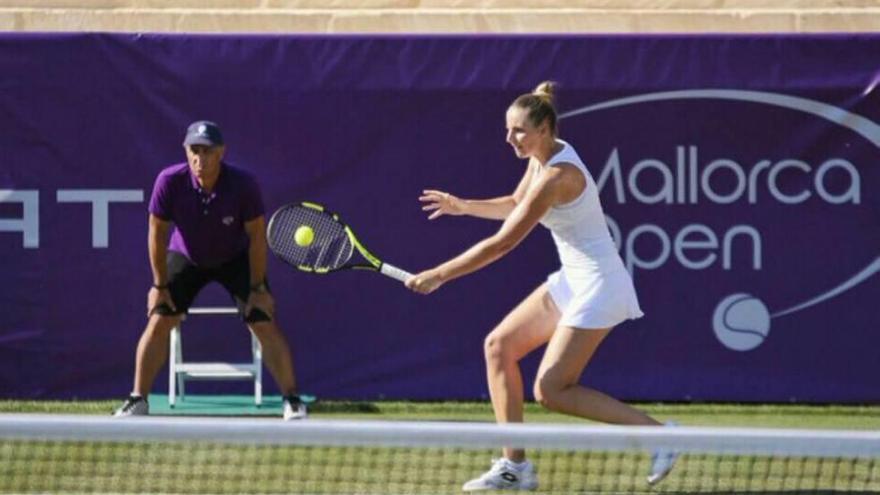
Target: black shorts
{"points": [[185, 280]]}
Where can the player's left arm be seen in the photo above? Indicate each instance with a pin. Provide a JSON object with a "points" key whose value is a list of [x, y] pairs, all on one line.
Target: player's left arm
{"points": [[257, 255], [554, 186]]}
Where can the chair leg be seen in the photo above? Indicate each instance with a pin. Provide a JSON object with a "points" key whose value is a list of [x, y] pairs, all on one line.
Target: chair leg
{"points": [[173, 360], [257, 352]]}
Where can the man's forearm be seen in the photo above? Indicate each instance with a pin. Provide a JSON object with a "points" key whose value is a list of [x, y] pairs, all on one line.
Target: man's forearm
{"points": [[158, 255], [257, 258]]}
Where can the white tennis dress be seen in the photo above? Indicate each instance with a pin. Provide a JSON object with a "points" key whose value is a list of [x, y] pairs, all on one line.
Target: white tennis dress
{"points": [[593, 289]]}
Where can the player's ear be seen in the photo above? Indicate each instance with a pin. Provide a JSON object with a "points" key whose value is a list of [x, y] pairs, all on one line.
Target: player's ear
{"points": [[544, 128], [222, 151]]}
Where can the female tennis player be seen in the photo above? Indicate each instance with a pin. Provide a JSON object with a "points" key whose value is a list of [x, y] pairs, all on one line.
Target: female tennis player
{"points": [[572, 312]]}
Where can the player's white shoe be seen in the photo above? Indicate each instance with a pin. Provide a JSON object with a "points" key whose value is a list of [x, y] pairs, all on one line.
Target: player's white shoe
{"points": [[505, 475], [133, 406], [662, 462], [294, 408]]}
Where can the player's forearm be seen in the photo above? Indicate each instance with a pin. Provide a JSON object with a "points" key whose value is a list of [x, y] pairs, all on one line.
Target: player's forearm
{"points": [[492, 209], [477, 256], [515, 228]]}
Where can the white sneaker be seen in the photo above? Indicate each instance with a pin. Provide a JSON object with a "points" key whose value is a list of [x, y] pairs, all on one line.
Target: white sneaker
{"points": [[133, 406], [662, 461], [294, 408], [505, 475]]}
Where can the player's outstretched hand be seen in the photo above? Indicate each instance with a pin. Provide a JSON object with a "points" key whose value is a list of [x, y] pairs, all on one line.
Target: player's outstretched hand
{"points": [[441, 203], [425, 282]]}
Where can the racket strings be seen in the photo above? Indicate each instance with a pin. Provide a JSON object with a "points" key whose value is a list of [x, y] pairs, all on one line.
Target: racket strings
{"points": [[329, 249]]}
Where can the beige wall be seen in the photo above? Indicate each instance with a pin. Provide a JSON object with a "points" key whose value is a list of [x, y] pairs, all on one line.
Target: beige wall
{"points": [[435, 16]]}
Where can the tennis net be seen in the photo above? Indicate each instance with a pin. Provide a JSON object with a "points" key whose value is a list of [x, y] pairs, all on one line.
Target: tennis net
{"points": [[82, 454]]}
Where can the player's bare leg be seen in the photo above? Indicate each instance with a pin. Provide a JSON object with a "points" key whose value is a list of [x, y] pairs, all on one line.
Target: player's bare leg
{"points": [[557, 387], [525, 328], [557, 383]]}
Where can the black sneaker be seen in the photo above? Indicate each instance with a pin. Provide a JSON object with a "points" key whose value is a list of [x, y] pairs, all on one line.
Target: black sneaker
{"points": [[294, 408], [133, 406]]}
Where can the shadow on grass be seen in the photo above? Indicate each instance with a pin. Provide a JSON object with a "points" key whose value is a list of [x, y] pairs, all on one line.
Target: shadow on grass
{"points": [[344, 407]]}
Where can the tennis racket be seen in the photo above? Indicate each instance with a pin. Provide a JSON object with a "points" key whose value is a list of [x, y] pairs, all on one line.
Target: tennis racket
{"points": [[312, 239]]}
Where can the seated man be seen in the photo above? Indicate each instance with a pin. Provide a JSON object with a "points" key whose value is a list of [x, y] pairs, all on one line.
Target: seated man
{"points": [[219, 235]]}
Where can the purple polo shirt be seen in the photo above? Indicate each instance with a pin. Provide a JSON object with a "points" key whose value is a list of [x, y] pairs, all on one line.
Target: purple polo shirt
{"points": [[209, 228]]}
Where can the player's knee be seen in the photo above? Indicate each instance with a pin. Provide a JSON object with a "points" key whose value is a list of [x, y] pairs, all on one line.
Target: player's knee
{"points": [[496, 349], [546, 392]]}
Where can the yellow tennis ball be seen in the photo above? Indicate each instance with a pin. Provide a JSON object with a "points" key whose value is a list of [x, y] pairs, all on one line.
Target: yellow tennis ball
{"points": [[304, 235]]}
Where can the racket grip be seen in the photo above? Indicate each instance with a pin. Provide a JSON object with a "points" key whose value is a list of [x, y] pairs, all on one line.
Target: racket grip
{"points": [[394, 272]]}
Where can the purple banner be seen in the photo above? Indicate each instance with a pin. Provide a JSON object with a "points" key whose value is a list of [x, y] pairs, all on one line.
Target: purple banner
{"points": [[738, 173]]}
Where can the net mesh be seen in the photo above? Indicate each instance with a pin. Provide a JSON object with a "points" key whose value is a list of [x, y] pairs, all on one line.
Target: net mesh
{"points": [[156, 455], [330, 248]]}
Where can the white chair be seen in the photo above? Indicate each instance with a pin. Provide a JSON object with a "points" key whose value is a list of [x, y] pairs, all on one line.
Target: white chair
{"points": [[179, 371]]}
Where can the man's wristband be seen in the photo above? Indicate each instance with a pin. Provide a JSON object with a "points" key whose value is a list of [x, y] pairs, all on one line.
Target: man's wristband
{"points": [[260, 287], [160, 287]]}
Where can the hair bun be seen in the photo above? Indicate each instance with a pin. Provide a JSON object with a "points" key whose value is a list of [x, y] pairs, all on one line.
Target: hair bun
{"points": [[546, 89]]}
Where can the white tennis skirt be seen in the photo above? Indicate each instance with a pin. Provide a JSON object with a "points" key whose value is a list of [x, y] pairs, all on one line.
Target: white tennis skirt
{"points": [[594, 300]]}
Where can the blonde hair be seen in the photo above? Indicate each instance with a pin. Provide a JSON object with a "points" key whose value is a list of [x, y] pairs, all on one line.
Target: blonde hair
{"points": [[546, 89], [539, 104]]}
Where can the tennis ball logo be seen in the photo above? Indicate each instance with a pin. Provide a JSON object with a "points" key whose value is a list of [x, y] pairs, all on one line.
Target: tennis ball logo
{"points": [[304, 236], [741, 322]]}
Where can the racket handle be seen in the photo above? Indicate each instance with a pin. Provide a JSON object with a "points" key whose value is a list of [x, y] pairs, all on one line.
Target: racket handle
{"points": [[394, 272]]}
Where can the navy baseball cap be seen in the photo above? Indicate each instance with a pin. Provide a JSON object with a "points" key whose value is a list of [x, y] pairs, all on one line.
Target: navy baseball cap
{"points": [[203, 132]]}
